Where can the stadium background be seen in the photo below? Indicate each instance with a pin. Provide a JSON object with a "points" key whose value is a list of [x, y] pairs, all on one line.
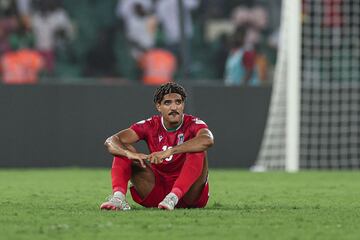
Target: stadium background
{"points": [[54, 170], [64, 118]]}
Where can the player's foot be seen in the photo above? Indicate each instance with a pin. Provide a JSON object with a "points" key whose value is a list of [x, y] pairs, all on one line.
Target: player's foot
{"points": [[169, 202], [116, 202]]}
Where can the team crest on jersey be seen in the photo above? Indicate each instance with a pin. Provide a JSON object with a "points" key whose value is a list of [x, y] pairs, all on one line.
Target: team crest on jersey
{"points": [[180, 139], [160, 138]]}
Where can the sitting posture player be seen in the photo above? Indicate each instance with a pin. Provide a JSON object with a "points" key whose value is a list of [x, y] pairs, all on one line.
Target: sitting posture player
{"points": [[177, 173]]}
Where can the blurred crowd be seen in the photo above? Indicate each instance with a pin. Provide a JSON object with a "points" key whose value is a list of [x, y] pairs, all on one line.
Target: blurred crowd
{"points": [[30, 31], [116, 41]]}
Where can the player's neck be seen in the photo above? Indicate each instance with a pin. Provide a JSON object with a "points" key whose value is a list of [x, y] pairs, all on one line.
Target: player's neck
{"points": [[172, 129]]}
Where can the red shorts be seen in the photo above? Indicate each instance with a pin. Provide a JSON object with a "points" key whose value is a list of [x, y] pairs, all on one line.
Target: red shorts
{"points": [[163, 187]]}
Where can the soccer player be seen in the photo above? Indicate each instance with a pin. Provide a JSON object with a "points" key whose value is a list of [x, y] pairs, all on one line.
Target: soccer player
{"points": [[175, 172]]}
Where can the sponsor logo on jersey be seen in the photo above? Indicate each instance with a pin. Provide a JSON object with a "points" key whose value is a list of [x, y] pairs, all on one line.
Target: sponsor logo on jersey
{"points": [[180, 139]]}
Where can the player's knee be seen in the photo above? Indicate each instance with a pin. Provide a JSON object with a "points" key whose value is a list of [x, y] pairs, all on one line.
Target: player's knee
{"points": [[117, 161], [140, 174], [196, 155], [195, 161]]}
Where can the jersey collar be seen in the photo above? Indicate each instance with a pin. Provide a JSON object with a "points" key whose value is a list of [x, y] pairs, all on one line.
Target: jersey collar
{"points": [[172, 130]]}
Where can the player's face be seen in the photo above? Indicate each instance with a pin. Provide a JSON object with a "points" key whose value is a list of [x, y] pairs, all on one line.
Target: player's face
{"points": [[172, 109]]}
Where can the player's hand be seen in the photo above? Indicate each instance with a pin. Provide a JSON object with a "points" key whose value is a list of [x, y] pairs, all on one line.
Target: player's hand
{"points": [[158, 157], [140, 157]]}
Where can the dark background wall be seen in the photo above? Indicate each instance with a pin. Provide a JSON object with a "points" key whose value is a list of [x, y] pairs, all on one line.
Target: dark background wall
{"points": [[66, 125]]}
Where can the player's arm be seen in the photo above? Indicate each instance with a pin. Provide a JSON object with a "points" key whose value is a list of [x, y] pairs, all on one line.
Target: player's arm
{"points": [[120, 144], [203, 140]]}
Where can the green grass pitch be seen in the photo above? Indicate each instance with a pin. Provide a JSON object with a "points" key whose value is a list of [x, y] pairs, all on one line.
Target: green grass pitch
{"points": [[64, 204]]}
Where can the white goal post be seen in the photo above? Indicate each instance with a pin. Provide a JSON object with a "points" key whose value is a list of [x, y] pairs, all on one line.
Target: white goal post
{"points": [[293, 76]]}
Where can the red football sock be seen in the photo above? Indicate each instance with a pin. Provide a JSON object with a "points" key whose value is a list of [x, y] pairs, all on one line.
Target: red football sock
{"points": [[120, 174], [190, 172]]}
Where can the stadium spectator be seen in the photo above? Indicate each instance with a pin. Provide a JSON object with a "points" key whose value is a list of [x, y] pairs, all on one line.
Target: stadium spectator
{"points": [[22, 36], [49, 22], [24, 7], [167, 12], [8, 23], [261, 71], [241, 16], [240, 64], [254, 20], [334, 20], [177, 173], [158, 66], [4, 43], [20, 66], [221, 54], [333, 14], [140, 25]]}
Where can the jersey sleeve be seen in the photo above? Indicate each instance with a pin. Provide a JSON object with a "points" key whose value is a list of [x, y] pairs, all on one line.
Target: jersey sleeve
{"points": [[142, 128], [197, 125]]}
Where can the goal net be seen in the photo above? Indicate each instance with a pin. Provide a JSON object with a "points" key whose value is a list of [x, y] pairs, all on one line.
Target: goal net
{"points": [[324, 130]]}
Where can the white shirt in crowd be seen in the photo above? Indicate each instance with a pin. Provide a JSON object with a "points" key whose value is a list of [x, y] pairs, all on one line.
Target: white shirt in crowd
{"points": [[138, 29], [24, 7], [167, 12], [45, 27]]}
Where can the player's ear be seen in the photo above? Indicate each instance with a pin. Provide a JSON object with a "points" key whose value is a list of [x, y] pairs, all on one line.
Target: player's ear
{"points": [[157, 106]]}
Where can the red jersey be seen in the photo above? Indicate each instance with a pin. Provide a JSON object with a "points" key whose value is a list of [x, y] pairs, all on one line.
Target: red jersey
{"points": [[154, 133]]}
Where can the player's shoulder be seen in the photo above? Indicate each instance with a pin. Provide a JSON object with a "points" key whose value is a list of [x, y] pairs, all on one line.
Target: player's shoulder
{"points": [[152, 121], [190, 119]]}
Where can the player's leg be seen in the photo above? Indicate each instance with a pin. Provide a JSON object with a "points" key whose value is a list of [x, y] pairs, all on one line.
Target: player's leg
{"points": [[120, 176], [196, 191], [149, 186], [143, 180], [190, 183], [124, 169]]}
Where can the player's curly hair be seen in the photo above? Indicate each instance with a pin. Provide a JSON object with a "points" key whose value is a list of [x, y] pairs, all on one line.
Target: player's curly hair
{"points": [[167, 88]]}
